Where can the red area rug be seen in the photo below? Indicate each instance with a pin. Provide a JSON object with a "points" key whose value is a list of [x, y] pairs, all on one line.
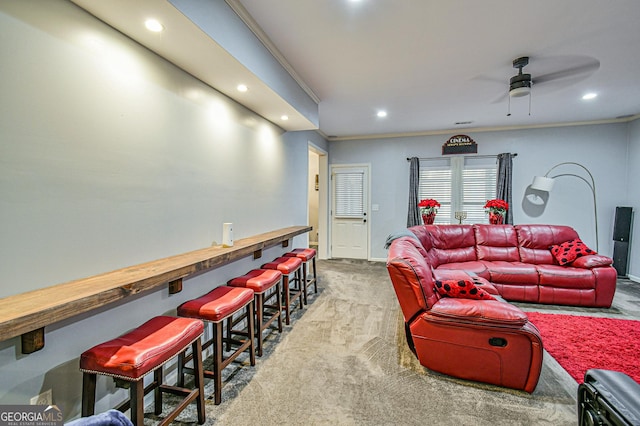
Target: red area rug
{"points": [[579, 343]]}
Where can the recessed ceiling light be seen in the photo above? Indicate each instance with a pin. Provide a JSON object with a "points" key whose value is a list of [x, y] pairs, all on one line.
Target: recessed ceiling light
{"points": [[284, 117], [153, 25], [242, 88], [589, 96], [382, 113]]}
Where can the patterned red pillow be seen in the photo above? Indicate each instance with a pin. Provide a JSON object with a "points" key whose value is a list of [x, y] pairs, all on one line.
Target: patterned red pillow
{"points": [[464, 289], [569, 251]]}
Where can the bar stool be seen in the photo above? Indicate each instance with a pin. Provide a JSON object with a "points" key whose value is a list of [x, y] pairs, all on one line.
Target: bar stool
{"points": [[306, 255], [265, 284], [289, 266], [130, 357], [221, 304]]}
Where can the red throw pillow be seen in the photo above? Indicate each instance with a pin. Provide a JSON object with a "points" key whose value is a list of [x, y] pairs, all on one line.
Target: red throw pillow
{"points": [[464, 289], [569, 251]]}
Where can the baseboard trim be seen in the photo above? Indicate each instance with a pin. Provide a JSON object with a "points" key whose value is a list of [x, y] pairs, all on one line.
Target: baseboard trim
{"points": [[634, 278]]}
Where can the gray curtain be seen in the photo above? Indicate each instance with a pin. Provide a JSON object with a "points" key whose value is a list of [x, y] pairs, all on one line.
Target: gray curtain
{"points": [[413, 214], [503, 183]]}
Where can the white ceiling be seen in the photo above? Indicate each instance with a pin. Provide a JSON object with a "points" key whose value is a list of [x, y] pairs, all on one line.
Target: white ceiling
{"points": [[429, 63]]}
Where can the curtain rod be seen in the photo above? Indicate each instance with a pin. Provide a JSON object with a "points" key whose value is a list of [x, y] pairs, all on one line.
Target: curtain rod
{"points": [[470, 156]]}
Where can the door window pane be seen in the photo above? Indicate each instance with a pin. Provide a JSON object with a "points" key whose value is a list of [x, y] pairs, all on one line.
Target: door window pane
{"points": [[349, 190]]}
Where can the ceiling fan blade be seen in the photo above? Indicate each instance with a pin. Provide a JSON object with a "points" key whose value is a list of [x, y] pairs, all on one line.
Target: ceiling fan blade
{"points": [[501, 98], [582, 69]]}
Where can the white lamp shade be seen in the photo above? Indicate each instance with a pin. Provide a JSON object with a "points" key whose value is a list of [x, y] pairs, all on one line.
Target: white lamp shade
{"points": [[542, 183]]}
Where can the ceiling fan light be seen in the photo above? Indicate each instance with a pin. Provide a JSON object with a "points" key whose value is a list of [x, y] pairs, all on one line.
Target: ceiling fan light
{"points": [[518, 92]]}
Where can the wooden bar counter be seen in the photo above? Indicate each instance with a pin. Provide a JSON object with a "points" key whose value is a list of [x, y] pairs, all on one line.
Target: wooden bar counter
{"points": [[28, 313]]}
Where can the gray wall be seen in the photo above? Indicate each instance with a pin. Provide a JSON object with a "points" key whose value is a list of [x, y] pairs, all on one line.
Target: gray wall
{"points": [[111, 156], [633, 197], [602, 149]]}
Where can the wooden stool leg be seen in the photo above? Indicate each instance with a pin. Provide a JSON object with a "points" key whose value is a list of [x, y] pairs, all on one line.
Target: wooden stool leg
{"points": [[287, 297], [251, 332], [181, 356], [196, 348], [88, 394], [315, 277], [304, 277], [229, 328], [279, 303], [217, 362], [302, 287], [136, 397], [259, 319], [157, 391]]}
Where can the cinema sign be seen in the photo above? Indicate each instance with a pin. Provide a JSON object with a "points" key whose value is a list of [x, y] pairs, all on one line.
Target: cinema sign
{"points": [[460, 144]]}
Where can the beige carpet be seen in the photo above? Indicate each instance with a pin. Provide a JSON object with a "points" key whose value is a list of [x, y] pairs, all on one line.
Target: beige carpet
{"points": [[343, 361]]}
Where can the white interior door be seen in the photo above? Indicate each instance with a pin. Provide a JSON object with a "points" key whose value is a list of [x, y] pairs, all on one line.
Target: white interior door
{"points": [[349, 226]]}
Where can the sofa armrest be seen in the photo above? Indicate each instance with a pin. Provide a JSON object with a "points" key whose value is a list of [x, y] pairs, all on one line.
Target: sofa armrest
{"points": [[478, 311], [592, 261]]}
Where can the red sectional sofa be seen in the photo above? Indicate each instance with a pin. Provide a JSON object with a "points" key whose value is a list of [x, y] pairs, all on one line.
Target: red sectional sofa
{"points": [[518, 262], [488, 341]]}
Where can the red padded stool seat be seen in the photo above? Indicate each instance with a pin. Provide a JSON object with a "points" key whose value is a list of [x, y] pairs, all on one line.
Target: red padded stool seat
{"points": [[306, 255], [289, 266], [221, 304], [143, 350], [265, 284]]}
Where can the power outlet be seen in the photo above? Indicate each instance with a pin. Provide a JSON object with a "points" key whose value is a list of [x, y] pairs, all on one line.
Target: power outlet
{"points": [[45, 398]]}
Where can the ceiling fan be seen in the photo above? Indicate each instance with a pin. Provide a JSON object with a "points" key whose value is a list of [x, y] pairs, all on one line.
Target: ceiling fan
{"points": [[578, 68], [520, 85]]}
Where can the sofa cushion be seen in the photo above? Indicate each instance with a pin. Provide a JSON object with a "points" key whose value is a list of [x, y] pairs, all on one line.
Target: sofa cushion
{"points": [[411, 277], [495, 242], [485, 311], [473, 267], [534, 241], [566, 276], [423, 236], [452, 243], [464, 289], [569, 251], [512, 272]]}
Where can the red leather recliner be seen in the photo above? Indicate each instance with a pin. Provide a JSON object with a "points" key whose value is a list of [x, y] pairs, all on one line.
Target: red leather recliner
{"points": [[488, 341]]}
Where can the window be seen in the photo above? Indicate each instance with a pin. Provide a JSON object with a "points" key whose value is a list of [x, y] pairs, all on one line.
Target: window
{"points": [[349, 189], [459, 184]]}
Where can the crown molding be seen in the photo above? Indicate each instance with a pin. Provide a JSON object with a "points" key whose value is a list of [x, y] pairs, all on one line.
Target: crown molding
{"points": [[248, 20], [625, 119]]}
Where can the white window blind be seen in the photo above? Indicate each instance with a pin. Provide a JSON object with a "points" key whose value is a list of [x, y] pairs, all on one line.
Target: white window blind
{"points": [[349, 190], [436, 182], [459, 184]]}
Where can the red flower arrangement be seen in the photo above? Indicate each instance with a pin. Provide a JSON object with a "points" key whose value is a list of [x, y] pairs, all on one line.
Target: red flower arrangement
{"points": [[428, 206], [497, 210], [497, 206]]}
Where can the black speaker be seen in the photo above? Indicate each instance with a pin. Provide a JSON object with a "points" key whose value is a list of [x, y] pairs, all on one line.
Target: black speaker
{"points": [[620, 257], [622, 224]]}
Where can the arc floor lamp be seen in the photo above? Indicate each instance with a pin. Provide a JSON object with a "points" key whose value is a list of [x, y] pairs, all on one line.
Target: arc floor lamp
{"points": [[545, 183]]}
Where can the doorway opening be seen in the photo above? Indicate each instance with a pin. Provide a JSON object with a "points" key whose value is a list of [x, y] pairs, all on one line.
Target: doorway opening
{"points": [[317, 211]]}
